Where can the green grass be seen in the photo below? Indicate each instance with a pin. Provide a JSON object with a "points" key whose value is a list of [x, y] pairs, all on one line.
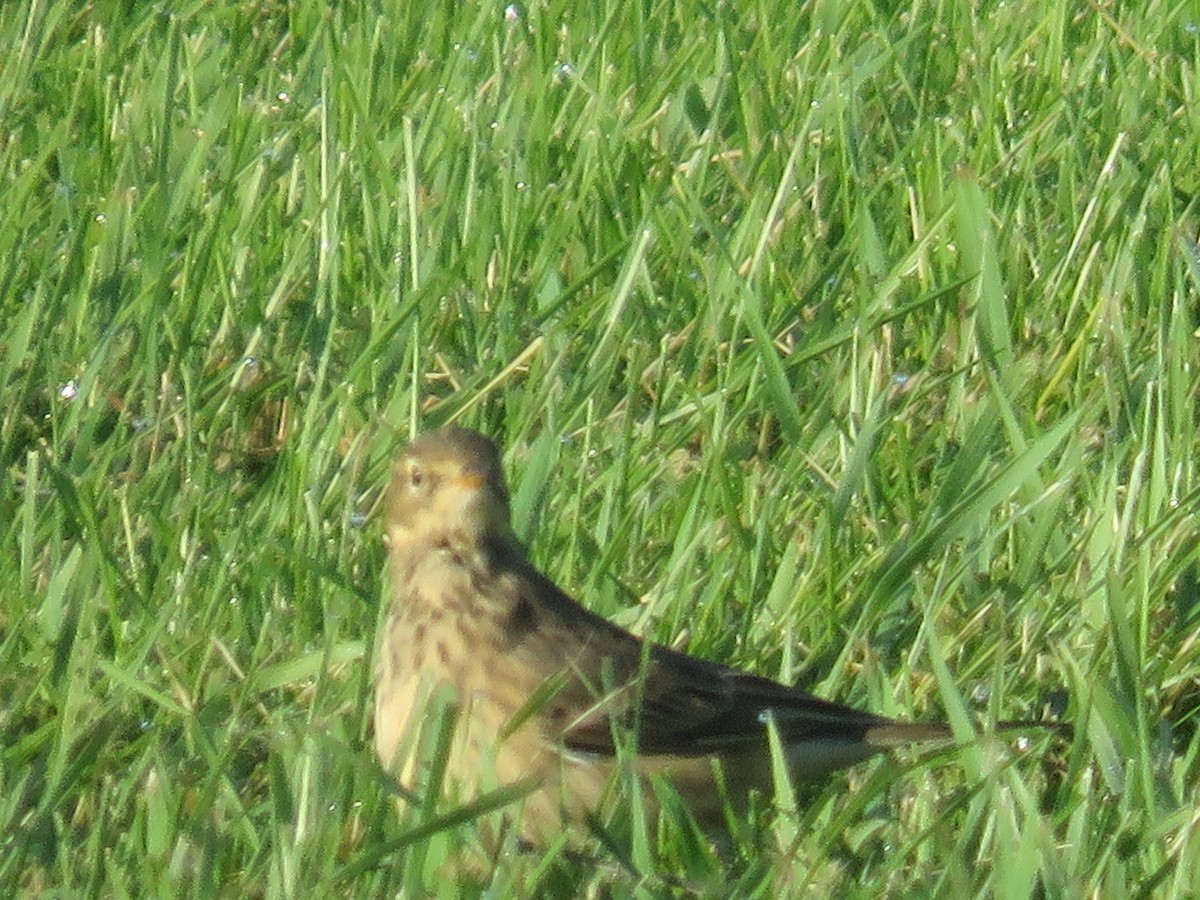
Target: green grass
{"points": [[854, 343]]}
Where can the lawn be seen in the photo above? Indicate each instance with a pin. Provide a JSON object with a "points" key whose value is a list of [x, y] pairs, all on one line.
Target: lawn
{"points": [[851, 343]]}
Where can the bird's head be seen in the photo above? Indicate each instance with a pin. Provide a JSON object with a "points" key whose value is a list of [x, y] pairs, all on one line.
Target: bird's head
{"points": [[448, 485]]}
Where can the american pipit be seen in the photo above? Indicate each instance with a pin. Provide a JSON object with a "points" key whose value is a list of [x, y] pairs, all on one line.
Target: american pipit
{"points": [[545, 689]]}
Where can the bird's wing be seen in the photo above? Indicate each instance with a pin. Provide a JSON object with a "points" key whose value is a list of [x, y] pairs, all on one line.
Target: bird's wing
{"points": [[688, 707], [664, 701]]}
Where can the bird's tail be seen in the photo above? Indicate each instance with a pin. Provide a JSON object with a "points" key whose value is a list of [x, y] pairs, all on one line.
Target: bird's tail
{"points": [[897, 734]]}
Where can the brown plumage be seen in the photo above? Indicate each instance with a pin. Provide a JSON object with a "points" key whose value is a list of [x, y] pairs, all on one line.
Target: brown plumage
{"points": [[546, 689]]}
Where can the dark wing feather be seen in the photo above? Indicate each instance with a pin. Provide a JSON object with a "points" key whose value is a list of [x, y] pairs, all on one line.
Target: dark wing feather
{"points": [[672, 703], [689, 707]]}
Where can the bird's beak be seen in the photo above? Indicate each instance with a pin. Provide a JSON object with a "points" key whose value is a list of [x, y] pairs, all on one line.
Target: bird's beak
{"points": [[471, 480]]}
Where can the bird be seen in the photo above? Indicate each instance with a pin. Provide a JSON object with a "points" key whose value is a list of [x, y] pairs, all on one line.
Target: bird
{"points": [[552, 697]]}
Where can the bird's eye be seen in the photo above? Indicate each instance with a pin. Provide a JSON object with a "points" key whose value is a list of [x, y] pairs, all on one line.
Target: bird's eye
{"points": [[416, 476]]}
